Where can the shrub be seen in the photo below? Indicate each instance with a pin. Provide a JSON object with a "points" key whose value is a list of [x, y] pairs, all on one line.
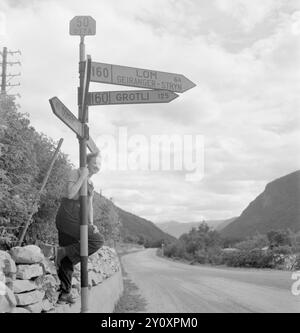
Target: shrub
{"points": [[257, 241], [284, 249], [279, 238], [297, 263], [255, 258], [176, 249], [201, 256]]}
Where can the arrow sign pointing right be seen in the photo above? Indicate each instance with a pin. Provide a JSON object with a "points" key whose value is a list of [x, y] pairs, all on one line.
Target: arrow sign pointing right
{"points": [[64, 114], [137, 77], [130, 97]]}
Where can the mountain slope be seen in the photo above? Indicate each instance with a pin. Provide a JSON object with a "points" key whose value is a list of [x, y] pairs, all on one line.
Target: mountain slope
{"points": [[114, 222], [176, 229], [138, 229], [276, 208]]}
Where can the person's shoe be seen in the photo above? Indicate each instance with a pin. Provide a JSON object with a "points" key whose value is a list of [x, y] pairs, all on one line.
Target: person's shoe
{"points": [[59, 254], [66, 298]]}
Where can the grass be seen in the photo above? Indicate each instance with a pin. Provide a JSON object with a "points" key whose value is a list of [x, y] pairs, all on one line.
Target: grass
{"points": [[131, 301]]}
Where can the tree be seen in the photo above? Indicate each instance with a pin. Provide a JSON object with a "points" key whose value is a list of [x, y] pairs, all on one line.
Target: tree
{"points": [[278, 238], [25, 155]]}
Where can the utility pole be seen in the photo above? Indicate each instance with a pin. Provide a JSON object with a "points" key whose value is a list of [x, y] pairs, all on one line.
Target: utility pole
{"points": [[6, 77]]}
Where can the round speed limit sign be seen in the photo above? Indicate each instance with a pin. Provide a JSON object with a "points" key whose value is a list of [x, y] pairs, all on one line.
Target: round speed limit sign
{"points": [[82, 26]]}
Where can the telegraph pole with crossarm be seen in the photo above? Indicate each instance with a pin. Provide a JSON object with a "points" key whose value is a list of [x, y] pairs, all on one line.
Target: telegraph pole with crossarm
{"points": [[6, 77]]}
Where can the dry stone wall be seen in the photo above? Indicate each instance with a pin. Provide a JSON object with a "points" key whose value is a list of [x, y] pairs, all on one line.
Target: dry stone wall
{"points": [[29, 281]]}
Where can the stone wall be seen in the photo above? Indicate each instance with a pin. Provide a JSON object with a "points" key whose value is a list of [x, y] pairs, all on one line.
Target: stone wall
{"points": [[29, 281]]}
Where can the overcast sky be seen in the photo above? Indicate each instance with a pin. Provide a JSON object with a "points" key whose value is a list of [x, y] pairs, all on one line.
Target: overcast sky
{"points": [[242, 55]]}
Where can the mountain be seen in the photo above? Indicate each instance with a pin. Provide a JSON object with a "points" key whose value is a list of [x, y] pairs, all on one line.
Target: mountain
{"points": [[225, 223], [176, 229], [277, 207], [137, 229], [113, 221]]}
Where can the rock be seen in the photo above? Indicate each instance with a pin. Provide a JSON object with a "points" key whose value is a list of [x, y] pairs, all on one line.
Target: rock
{"points": [[49, 285], [9, 282], [47, 305], [30, 297], [19, 309], [21, 286], [95, 278], [30, 254], [47, 249], [7, 300], [27, 272], [75, 293], [75, 283], [48, 266], [7, 265], [34, 308]]}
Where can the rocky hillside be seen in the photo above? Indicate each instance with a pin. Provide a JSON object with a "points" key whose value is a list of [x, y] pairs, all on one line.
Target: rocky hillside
{"points": [[276, 208], [176, 229]]}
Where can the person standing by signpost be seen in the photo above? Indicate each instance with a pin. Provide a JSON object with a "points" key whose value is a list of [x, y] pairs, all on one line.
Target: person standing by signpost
{"points": [[166, 83], [68, 225]]}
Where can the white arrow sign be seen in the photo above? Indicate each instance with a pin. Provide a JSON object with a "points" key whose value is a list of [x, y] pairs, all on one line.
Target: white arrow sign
{"points": [[130, 97], [92, 146], [64, 114], [142, 78]]}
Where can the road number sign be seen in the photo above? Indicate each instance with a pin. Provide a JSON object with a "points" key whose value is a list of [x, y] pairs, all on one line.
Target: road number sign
{"points": [[137, 77], [64, 114], [82, 26], [130, 97]]}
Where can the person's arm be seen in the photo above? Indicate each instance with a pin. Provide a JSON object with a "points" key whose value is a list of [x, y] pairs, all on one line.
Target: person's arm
{"points": [[75, 182]]}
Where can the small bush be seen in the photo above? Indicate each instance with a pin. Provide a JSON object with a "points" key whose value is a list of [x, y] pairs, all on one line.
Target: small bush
{"points": [[296, 266], [255, 258], [284, 249]]}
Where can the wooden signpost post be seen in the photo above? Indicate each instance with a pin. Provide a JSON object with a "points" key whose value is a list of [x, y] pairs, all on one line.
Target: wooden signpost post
{"points": [[160, 87]]}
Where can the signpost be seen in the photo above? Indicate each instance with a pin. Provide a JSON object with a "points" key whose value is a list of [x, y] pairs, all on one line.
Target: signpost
{"points": [[162, 88], [64, 114], [130, 97], [137, 77], [83, 26]]}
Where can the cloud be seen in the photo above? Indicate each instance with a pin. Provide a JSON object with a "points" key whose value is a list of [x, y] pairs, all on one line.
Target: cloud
{"points": [[245, 102], [249, 13]]}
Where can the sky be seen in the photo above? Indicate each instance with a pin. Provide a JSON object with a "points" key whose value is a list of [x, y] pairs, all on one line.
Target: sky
{"points": [[243, 57]]}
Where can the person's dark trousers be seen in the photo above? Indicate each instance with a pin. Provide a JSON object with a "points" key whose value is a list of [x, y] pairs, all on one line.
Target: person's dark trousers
{"points": [[69, 238], [66, 268]]}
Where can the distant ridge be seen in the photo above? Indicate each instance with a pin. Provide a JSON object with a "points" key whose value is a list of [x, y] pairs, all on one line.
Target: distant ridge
{"points": [[177, 229]]}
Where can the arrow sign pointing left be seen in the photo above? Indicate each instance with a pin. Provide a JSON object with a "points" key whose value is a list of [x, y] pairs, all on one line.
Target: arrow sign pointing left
{"points": [[92, 146], [64, 114]]}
